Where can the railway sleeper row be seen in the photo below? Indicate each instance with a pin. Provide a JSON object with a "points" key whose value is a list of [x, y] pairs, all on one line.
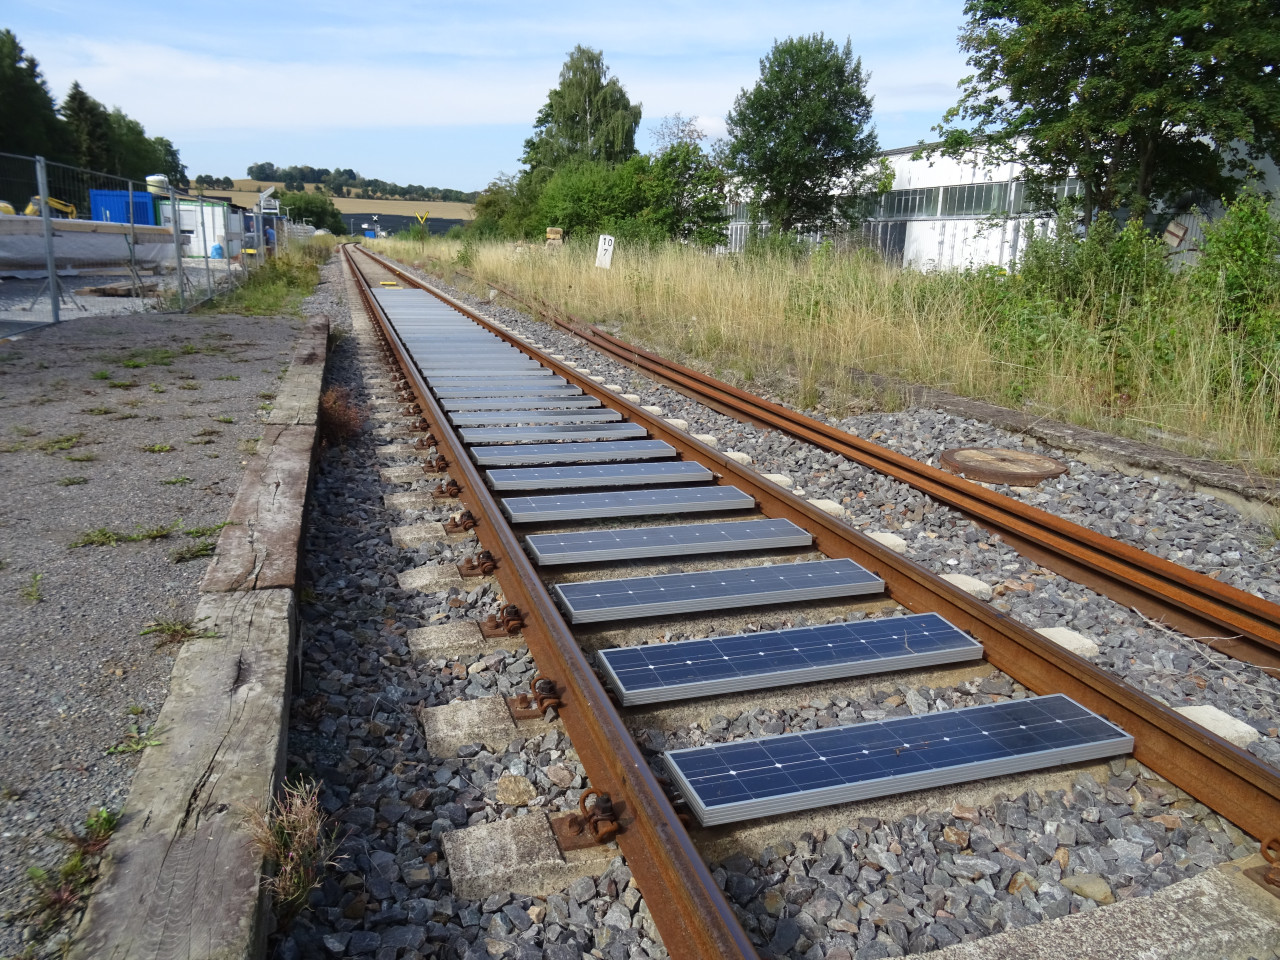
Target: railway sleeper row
{"points": [[838, 855]]}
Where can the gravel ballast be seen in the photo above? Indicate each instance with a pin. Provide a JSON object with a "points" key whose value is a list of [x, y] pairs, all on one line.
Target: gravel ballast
{"points": [[129, 424]]}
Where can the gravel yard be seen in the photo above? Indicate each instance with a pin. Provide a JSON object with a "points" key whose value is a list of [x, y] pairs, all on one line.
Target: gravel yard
{"points": [[126, 429]]}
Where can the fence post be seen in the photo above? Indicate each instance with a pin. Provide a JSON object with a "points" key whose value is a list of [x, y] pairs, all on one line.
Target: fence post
{"points": [[51, 263], [177, 249], [133, 243], [204, 239]]}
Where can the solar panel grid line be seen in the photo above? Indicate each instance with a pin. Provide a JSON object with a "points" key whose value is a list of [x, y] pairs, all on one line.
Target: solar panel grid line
{"points": [[597, 475], [727, 782], [451, 393], [552, 431], [633, 543], [591, 601], [658, 673], [493, 418], [583, 451], [467, 404], [625, 503]]}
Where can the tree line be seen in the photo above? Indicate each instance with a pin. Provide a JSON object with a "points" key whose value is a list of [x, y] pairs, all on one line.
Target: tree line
{"points": [[1149, 106], [80, 130], [346, 182]]}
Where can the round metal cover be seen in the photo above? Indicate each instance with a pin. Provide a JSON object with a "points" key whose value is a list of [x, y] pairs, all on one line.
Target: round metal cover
{"points": [[1017, 468]]}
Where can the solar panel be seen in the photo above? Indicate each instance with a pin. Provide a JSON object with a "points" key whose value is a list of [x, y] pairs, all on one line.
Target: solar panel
{"points": [[518, 403], [625, 503], [605, 475], [750, 661], [535, 378], [586, 451], [492, 391], [553, 431], [681, 539], [595, 600], [496, 417], [798, 771]]}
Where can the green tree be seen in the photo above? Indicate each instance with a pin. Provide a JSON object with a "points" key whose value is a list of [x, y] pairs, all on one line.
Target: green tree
{"points": [[1142, 101], [170, 162], [28, 115], [89, 124], [315, 207], [802, 138], [587, 117], [687, 195]]}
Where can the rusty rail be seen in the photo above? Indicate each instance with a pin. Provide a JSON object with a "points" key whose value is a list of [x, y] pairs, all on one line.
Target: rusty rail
{"points": [[1216, 614], [692, 914], [1214, 771]]}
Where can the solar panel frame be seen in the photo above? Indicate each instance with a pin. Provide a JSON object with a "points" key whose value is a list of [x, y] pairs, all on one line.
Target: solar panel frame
{"points": [[583, 451], [455, 393], [728, 782], [597, 475], [493, 418], [591, 601], [680, 539], [654, 501], [462, 404], [660, 673], [552, 431]]}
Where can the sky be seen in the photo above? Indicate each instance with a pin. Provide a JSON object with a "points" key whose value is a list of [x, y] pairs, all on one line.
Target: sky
{"points": [[444, 93]]}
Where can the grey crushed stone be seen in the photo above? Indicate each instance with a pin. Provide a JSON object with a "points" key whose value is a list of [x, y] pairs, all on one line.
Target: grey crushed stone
{"points": [[73, 664]]}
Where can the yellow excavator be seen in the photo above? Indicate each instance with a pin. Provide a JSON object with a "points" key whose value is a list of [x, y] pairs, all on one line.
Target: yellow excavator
{"points": [[62, 208]]}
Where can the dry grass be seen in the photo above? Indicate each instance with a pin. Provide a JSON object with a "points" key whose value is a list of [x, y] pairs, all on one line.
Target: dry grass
{"points": [[803, 328], [291, 835], [340, 417]]}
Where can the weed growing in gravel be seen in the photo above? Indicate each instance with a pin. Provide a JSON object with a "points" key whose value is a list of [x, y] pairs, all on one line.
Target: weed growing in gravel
{"points": [[154, 533], [25, 431], [196, 551], [158, 448], [99, 537], [123, 384], [176, 481], [60, 444], [340, 419], [225, 419], [157, 388], [81, 457], [136, 711], [176, 631], [98, 411], [101, 375], [188, 385], [292, 833], [266, 396], [197, 533], [136, 740], [31, 592], [200, 441], [71, 481], [148, 357], [209, 432], [229, 376], [59, 893], [249, 445]]}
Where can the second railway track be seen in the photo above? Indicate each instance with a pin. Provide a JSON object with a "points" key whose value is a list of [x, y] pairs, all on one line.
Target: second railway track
{"points": [[556, 574]]}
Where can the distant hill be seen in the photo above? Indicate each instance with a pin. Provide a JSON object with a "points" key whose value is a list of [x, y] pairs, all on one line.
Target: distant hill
{"points": [[246, 195]]}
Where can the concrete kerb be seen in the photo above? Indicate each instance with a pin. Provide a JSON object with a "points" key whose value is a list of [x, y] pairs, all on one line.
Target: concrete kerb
{"points": [[180, 878]]}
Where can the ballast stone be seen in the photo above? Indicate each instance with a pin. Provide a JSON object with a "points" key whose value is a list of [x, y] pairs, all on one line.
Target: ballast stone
{"points": [[1069, 639], [1222, 723], [970, 585]]}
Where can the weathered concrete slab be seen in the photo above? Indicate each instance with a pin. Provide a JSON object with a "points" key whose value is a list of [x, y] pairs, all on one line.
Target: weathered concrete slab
{"points": [[414, 535], [297, 398], [1069, 639], [1221, 723], [392, 451], [1218, 913], [519, 855], [405, 429], [738, 457], [414, 500], [890, 540], [401, 474], [431, 578], [710, 439], [829, 507], [445, 641], [483, 720], [970, 585], [259, 548], [180, 878]]}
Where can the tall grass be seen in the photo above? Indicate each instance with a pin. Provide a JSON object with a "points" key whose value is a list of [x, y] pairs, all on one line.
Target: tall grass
{"points": [[280, 284], [1147, 355]]}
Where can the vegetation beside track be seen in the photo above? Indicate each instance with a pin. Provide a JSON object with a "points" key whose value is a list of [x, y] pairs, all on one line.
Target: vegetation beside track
{"points": [[1098, 331], [280, 285]]}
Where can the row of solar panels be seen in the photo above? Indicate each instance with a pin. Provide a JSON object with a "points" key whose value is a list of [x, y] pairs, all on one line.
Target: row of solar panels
{"points": [[532, 431]]}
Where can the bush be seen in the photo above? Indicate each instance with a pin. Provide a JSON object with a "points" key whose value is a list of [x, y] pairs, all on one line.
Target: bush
{"points": [[1240, 264]]}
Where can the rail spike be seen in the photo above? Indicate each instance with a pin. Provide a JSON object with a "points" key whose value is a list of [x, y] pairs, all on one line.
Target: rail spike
{"points": [[590, 826]]}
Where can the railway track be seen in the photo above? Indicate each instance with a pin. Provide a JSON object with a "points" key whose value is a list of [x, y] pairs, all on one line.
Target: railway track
{"points": [[574, 451]]}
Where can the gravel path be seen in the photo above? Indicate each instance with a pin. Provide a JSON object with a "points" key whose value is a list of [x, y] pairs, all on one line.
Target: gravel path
{"points": [[79, 405]]}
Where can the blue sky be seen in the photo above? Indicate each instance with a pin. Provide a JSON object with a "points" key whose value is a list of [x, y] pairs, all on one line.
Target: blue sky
{"points": [[444, 94]]}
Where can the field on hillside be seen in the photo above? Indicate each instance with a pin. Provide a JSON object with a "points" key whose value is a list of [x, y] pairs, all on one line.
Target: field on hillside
{"points": [[1160, 363], [246, 195]]}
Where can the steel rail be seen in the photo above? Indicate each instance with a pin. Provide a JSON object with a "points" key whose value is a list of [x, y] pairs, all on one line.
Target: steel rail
{"points": [[1223, 617], [1214, 771], [691, 913]]}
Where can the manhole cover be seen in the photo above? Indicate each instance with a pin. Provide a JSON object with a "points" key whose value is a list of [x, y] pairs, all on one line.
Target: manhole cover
{"points": [[993, 465]]}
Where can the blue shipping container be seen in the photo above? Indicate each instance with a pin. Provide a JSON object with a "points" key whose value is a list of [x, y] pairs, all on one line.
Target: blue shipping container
{"points": [[112, 206]]}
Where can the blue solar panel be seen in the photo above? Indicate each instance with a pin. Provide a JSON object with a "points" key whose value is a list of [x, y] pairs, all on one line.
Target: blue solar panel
{"points": [[682, 539], [799, 771], [750, 661], [490, 418], [625, 503], [587, 451], [519, 403], [553, 431], [492, 391], [595, 600], [604, 475]]}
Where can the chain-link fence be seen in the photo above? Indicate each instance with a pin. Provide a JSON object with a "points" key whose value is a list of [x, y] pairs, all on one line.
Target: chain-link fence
{"points": [[79, 242]]}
